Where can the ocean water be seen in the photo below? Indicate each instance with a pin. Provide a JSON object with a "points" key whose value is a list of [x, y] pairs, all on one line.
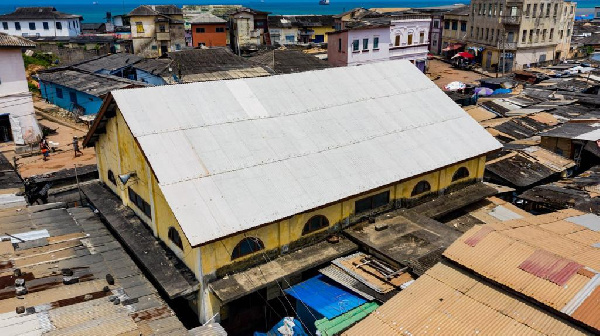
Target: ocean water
{"points": [[95, 10]]}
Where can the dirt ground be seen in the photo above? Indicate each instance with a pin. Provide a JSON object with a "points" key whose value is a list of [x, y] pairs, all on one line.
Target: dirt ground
{"points": [[62, 158], [448, 74]]}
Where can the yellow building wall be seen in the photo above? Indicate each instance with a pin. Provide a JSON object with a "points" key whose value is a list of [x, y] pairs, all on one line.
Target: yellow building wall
{"points": [[322, 31], [118, 151], [218, 254]]}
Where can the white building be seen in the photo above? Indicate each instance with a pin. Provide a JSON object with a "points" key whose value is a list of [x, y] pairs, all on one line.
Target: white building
{"points": [[40, 21], [409, 36], [402, 37], [17, 116]]}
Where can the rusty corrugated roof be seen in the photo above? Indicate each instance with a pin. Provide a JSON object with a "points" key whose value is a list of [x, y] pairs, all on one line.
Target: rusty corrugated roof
{"points": [[65, 273], [14, 41], [548, 258], [449, 301]]}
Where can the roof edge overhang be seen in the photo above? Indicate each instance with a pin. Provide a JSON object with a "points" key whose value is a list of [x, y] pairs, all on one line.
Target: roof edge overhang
{"points": [[337, 201], [101, 117]]}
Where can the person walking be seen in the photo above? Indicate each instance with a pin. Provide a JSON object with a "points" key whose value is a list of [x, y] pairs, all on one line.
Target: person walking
{"points": [[45, 148], [76, 146]]}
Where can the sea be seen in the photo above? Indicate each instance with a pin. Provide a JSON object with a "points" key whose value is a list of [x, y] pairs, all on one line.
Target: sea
{"points": [[95, 10]]}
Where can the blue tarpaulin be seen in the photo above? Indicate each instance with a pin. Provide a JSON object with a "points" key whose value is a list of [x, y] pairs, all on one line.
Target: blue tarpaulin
{"points": [[325, 297]]}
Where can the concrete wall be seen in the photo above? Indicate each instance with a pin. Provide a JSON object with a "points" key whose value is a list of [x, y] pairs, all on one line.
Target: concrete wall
{"points": [[12, 72], [71, 53], [70, 27], [335, 56], [243, 28], [15, 98], [321, 31], [279, 35], [90, 103], [370, 55], [118, 151]]}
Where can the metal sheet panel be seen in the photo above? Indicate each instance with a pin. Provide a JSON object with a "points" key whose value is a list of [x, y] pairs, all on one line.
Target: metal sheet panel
{"points": [[590, 221], [240, 150], [502, 213]]}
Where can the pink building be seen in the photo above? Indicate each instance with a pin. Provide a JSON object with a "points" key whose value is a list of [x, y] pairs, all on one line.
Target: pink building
{"points": [[360, 45], [402, 37]]}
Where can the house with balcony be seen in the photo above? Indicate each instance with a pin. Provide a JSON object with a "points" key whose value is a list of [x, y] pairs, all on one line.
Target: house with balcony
{"points": [[401, 36], [409, 37], [519, 34], [156, 30], [248, 29], [40, 22]]}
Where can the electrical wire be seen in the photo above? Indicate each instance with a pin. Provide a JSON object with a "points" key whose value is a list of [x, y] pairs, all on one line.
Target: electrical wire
{"points": [[267, 259], [251, 282]]}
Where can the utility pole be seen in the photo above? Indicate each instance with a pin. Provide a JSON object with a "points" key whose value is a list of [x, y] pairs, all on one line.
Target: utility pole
{"points": [[503, 50]]}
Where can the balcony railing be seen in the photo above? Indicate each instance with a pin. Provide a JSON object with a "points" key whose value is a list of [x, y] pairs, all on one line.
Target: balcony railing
{"points": [[511, 20], [508, 45]]}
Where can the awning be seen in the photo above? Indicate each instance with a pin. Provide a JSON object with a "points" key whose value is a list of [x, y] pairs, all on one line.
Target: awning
{"points": [[252, 279], [325, 297], [453, 46]]}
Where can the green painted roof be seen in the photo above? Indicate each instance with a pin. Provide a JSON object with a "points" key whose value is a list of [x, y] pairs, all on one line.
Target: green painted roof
{"points": [[338, 324]]}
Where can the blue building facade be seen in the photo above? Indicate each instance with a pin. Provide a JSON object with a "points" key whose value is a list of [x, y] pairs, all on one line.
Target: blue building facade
{"points": [[78, 102], [146, 77]]}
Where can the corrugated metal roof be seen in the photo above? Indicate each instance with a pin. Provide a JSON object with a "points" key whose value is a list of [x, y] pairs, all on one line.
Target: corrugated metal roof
{"points": [[502, 213], [590, 221], [206, 18], [209, 329], [325, 297], [229, 155], [543, 257], [14, 41], [447, 301], [75, 240]]}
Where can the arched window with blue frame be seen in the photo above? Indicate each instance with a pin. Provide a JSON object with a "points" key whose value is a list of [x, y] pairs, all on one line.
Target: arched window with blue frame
{"points": [[247, 246]]}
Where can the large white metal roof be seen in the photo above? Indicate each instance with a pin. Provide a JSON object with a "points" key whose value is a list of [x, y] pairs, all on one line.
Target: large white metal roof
{"points": [[233, 155]]}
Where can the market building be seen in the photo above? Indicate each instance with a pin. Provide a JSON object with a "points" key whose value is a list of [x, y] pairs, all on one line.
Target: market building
{"points": [[246, 172]]}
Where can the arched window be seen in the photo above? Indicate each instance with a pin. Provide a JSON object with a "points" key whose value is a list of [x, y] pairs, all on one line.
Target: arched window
{"points": [[247, 246], [175, 238], [460, 174], [315, 223], [420, 188]]}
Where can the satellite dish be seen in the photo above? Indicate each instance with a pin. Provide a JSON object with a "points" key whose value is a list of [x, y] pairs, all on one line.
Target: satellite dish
{"points": [[125, 177]]}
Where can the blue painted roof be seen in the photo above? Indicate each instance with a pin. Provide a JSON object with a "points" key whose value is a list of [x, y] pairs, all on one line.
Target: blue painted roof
{"points": [[325, 297]]}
